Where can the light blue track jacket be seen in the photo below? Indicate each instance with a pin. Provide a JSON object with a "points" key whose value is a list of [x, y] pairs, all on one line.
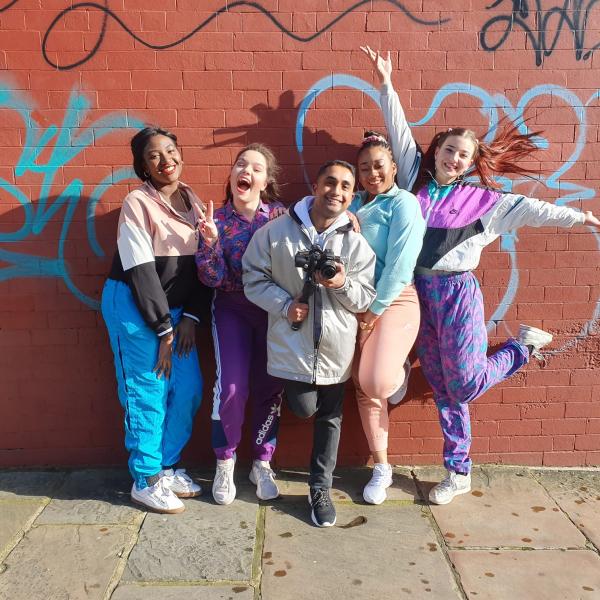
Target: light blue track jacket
{"points": [[394, 227]]}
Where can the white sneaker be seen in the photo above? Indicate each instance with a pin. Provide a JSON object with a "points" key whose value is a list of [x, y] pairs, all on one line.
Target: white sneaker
{"points": [[453, 485], [374, 492], [157, 498], [223, 489], [532, 336], [262, 476], [180, 483], [399, 394]]}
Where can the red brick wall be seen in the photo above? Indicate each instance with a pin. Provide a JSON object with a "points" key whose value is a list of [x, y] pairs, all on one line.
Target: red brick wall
{"points": [[242, 78]]}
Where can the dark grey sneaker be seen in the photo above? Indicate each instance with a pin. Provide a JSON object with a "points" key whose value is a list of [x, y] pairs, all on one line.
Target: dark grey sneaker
{"points": [[323, 511]]}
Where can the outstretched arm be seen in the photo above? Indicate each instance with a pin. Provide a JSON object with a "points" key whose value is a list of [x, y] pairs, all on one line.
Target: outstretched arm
{"points": [[407, 154], [517, 211]]}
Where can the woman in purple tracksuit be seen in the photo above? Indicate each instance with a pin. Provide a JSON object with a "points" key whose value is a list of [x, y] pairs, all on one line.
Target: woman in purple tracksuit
{"points": [[462, 218], [239, 326]]}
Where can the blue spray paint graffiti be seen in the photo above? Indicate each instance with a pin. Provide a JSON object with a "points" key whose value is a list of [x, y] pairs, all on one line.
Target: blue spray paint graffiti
{"points": [[65, 142], [492, 105]]}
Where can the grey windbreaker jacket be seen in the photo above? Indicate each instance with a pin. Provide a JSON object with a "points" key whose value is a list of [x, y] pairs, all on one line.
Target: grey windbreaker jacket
{"points": [[321, 351]]}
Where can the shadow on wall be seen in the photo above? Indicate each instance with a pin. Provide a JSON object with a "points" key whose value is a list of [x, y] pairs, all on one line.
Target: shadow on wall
{"points": [[276, 127]]}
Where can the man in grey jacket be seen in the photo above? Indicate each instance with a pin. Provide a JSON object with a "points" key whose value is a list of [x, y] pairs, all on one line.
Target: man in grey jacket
{"points": [[311, 341]]}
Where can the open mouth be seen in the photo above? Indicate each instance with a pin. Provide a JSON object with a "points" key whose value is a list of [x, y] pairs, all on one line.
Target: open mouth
{"points": [[168, 170], [243, 184]]}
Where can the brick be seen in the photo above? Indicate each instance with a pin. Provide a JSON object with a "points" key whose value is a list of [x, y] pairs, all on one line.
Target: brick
{"points": [[542, 411], [530, 443], [587, 442], [564, 459], [582, 409], [263, 42], [277, 61], [593, 426], [584, 377], [257, 81], [327, 61], [563, 442], [378, 22], [563, 426], [526, 427], [522, 458]]}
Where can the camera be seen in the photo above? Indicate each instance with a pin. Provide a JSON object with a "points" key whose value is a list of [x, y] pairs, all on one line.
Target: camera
{"points": [[317, 260]]}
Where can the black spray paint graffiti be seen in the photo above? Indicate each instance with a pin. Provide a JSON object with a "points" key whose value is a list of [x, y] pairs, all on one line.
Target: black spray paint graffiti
{"points": [[107, 12], [543, 27]]}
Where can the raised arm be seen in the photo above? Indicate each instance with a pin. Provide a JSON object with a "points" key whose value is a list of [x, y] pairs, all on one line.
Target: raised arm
{"points": [[407, 154]]}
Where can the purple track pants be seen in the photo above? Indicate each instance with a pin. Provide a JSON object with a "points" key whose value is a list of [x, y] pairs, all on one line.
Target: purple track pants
{"points": [[452, 346], [239, 334]]}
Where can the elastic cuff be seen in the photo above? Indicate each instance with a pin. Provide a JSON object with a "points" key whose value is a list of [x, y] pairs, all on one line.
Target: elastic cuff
{"points": [[286, 307], [161, 333], [193, 317]]}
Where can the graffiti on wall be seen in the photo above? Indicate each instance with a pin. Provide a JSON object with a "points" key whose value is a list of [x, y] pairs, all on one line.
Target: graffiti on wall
{"points": [[494, 107], [45, 152], [544, 27], [61, 19]]}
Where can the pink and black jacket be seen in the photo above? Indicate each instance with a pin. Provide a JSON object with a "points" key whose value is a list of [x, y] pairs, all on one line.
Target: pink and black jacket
{"points": [[155, 257]]}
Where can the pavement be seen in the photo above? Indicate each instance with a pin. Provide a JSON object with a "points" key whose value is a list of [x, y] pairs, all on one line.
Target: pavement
{"points": [[521, 533]]}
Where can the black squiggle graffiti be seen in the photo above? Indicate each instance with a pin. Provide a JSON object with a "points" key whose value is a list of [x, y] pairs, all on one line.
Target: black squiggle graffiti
{"points": [[226, 8], [8, 5], [573, 14]]}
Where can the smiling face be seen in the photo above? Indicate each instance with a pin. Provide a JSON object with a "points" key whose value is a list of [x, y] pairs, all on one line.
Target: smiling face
{"points": [[376, 170], [162, 161], [453, 158], [249, 177], [333, 192]]}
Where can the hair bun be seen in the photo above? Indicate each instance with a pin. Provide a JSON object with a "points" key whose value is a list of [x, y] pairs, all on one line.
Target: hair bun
{"points": [[373, 136]]}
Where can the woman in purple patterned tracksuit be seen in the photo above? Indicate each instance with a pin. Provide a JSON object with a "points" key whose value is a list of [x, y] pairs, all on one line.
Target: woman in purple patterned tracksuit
{"points": [[462, 218], [240, 327]]}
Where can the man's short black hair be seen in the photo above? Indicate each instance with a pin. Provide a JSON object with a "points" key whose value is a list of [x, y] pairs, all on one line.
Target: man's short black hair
{"points": [[334, 163]]}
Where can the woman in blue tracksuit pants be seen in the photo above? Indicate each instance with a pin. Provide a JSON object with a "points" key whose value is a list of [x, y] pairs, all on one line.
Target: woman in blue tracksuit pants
{"points": [[151, 303]]}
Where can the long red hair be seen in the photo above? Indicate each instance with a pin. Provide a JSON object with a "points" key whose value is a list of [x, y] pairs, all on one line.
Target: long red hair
{"points": [[499, 157]]}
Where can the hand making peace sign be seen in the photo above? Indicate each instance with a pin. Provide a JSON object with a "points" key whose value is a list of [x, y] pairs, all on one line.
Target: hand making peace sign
{"points": [[206, 225]]}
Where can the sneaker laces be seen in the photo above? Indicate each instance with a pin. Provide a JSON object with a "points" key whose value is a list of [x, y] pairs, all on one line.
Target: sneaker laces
{"points": [[537, 354], [320, 498], [183, 476], [162, 491], [221, 477], [447, 483], [379, 475], [265, 473]]}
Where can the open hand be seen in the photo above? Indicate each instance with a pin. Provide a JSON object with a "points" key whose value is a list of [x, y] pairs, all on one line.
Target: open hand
{"points": [[382, 66], [590, 219]]}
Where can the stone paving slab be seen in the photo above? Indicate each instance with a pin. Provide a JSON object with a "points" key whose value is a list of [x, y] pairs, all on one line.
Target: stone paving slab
{"points": [[578, 494], [29, 484], [162, 592], [504, 508], [348, 485], [206, 542], [63, 563], [392, 554], [534, 575], [14, 517], [92, 497]]}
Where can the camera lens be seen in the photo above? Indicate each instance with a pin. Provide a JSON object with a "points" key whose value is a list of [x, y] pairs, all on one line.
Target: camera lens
{"points": [[328, 269]]}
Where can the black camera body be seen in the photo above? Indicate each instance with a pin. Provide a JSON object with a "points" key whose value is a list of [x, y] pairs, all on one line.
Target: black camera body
{"points": [[317, 260]]}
